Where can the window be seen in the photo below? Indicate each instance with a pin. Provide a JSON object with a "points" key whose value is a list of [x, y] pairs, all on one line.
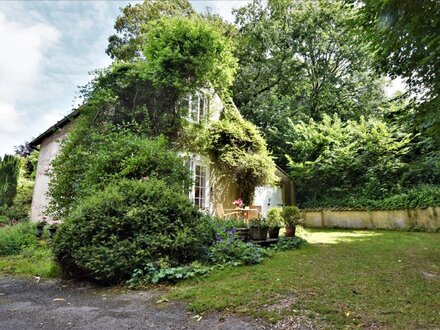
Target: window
{"points": [[197, 105], [199, 190], [200, 186]]}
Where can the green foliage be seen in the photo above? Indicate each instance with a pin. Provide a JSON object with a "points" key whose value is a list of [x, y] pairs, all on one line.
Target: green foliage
{"points": [[21, 204], [82, 167], [188, 53], [127, 225], [300, 60], [14, 239], [227, 249], [126, 44], [291, 215], [258, 223], [403, 35], [275, 217], [239, 152], [152, 274], [417, 197], [337, 159], [32, 261], [230, 223], [9, 170], [289, 243]]}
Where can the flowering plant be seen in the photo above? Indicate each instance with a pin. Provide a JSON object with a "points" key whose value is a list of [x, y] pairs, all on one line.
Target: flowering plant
{"points": [[238, 202]]}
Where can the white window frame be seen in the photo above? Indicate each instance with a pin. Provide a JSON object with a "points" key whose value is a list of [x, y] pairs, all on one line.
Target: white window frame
{"points": [[201, 113], [194, 161]]}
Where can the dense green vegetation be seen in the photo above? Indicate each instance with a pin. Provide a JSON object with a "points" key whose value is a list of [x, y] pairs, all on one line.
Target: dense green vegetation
{"points": [[312, 75], [22, 254], [17, 175], [239, 153], [120, 184], [9, 170], [340, 279]]}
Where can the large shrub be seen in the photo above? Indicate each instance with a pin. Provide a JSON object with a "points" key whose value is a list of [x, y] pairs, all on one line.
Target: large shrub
{"points": [[126, 227], [84, 166]]}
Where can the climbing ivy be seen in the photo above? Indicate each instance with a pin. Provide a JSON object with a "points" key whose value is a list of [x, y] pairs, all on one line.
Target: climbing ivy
{"points": [[240, 153]]}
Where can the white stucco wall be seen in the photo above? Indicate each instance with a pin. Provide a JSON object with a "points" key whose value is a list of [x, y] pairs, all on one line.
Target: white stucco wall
{"points": [[49, 149]]}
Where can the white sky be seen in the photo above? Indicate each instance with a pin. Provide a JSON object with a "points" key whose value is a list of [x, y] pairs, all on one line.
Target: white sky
{"points": [[47, 50]]}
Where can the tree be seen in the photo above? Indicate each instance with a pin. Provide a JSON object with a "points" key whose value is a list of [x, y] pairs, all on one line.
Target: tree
{"points": [[188, 54], [405, 38], [127, 43], [332, 160], [9, 170], [301, 59]]}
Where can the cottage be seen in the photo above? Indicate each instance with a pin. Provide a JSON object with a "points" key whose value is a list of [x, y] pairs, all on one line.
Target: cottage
{"points": [[207, 193]]}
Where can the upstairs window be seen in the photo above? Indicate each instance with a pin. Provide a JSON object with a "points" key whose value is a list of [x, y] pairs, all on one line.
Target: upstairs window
{"points": [[197, 105]]}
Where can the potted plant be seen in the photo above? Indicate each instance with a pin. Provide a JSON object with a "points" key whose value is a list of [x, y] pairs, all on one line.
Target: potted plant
{"points": [[53, 229], [274, 221], [40, 228], [239, 226], [258, 229], [291, 217]]}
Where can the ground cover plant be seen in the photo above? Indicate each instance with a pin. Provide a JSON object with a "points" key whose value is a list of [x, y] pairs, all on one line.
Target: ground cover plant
{"points": [[22, 254], [340, 279]]}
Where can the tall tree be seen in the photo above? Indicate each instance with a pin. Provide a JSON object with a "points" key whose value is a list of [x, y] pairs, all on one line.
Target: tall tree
{"points": [[9, 170], [301, 59], [126, 44], [405, 38]]}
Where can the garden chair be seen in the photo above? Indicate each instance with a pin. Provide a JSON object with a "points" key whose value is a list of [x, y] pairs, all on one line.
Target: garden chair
{"points": [[255, 212], [221, 212]]}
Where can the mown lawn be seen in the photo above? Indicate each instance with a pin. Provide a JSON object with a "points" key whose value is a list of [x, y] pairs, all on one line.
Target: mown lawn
{"points": [[341, 279]]}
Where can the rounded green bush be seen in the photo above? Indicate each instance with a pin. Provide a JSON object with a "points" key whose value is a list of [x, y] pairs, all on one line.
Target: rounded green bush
{"points": [[126, 226]]}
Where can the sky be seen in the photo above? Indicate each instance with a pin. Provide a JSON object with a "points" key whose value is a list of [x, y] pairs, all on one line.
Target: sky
{"points": [[47, 49]]}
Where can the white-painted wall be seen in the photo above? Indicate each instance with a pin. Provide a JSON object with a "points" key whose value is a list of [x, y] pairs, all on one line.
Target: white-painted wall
{"points": [[268, 197], [49, 149]]}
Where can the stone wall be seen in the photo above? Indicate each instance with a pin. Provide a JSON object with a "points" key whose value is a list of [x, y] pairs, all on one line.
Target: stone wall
{"points": [[428, 218]]}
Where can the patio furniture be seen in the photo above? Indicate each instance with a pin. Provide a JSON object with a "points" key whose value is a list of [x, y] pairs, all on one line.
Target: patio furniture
{"points": [[222, 214]]}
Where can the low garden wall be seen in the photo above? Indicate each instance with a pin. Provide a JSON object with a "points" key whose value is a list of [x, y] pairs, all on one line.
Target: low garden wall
{"points": [[427, 218]]}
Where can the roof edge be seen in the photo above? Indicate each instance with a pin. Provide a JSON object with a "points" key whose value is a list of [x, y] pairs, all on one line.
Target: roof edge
{"points": [[60, 124]]}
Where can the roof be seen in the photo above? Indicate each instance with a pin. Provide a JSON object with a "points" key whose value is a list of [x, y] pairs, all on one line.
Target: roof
{"points": [[63, 122]]}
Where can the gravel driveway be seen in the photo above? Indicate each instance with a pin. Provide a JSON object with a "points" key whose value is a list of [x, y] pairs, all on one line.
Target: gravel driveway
{"points": [[34, 304]]}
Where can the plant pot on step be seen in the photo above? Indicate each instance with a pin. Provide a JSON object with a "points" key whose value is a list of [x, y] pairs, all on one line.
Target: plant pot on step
{"points": [[242, 233], [290, 231], [274, 232], [39, 233], [52, 232], [258, 233]]}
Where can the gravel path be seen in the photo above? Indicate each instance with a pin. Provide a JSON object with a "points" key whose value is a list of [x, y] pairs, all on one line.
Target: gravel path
{"points": [[32, 304]]}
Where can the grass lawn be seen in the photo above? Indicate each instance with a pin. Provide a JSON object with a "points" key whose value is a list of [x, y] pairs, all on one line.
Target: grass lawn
{"points": [[35, 261], [22, 254], [341, 279]]}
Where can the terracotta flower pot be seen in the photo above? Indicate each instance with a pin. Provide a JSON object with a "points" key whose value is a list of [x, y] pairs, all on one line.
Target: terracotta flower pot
{"points": [[290, 231]]}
